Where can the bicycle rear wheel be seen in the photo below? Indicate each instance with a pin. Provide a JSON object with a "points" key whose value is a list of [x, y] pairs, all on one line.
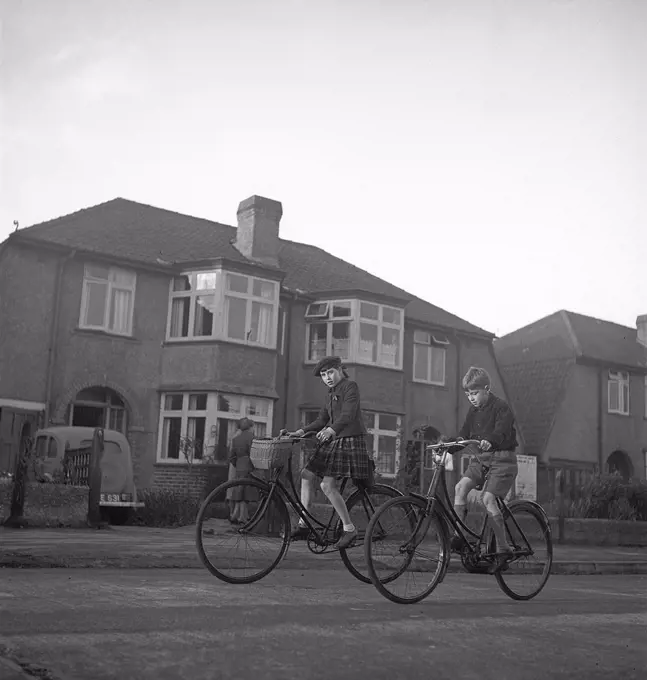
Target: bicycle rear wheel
{"points": [[406, 550], [530, 537], [248, 551], [361, 507]]}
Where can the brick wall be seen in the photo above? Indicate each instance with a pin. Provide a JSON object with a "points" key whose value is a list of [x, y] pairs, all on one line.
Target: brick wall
{"points": [[197, 482]]}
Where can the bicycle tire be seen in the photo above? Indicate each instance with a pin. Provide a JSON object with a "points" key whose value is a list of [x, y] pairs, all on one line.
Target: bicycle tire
{"points": [[412, 507], [281, 517], [506, 578], [346, 554]]}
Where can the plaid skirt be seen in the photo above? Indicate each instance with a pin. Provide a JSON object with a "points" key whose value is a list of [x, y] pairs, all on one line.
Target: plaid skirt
{"points": [[343, 457]]}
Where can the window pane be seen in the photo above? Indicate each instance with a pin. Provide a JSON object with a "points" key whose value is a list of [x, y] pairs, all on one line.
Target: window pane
{"points": [[308, 417], [317, 341], [369, 311], [181, 283], [422, 337], [261, 329], [237, 283], [387, 422], [171, 438], [341, 309], [260, 429], [390, 315], [390, 350], [203, 319], [437, 365], [95, 303], [116, 419], [341, 339], [206, 281], [370, 445], [96, 271], [236, 318], [197, 402], [195, 433], [264, 289], [319, 309], [123, 278], [369, 420], [385, 462], [421, 358], [368, 342], [258, 407], [179, 318], [229, 403], [226, 431], [173, 402], [614, 396], [120, 310]]}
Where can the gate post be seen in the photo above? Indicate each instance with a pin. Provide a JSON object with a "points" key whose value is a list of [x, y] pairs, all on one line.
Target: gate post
{"points": [[94, 480]]}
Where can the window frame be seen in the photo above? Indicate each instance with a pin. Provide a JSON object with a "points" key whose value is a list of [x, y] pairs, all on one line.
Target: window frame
{"points": [[111, 285], [376, 432], [622, 379], [220, 323], [354, 321], [212, 415], [433, 341]]}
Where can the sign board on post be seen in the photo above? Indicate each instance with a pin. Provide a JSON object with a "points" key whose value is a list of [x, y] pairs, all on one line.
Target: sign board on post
{"points": [[526, 482]]}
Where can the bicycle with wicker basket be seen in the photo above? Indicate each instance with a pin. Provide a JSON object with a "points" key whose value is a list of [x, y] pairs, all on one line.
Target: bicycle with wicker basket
{"points": [[268, 526], [415, 532]]}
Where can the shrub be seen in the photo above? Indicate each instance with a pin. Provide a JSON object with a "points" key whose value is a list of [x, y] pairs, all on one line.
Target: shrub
{"points": [[165, 508], [607, 497]]}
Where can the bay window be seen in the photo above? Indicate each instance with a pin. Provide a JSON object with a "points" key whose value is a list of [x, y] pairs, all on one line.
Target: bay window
{"points": [[107, 299], [249, 308], [383, 441], [429, 357], [355, 330], [204, 424]]}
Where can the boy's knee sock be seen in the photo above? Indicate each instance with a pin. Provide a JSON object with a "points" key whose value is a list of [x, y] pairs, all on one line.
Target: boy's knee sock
{"points": [[498, 526], [461, 511]]}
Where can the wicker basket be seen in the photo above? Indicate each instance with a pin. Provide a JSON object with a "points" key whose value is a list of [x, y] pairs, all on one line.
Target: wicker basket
{"points": [[271, 453]]}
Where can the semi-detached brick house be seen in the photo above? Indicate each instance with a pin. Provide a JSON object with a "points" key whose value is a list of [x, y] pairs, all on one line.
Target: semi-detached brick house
{"points": [[163, 325], [579, 389]]}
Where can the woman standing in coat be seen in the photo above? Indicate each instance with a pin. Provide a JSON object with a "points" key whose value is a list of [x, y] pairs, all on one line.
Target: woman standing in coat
{"points": [[239, 458]]}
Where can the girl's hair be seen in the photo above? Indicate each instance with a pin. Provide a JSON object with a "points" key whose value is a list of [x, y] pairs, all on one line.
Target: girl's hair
{"points": [[476, 378]]}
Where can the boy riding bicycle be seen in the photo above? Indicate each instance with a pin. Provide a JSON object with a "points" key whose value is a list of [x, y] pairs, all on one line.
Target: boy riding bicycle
{"points": [[493, 465]]}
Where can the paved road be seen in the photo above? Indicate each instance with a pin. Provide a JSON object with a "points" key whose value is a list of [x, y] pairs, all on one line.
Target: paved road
{"points": [[171, 625]]}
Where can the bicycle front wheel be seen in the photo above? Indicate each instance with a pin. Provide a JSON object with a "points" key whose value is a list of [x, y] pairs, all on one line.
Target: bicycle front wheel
{"points": [[406, 550], [361, 507], [530, 538], [249, 548]]}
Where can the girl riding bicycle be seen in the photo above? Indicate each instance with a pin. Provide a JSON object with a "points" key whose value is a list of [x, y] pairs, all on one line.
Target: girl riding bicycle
{"points": [[342, 452]]}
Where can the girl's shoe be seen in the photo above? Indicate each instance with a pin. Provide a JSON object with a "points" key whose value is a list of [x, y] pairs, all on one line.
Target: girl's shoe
{"points": [[347, 540]]}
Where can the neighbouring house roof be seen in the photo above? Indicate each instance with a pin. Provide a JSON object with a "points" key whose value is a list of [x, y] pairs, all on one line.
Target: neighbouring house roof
{"points": [[136, 232], [535, 362]]}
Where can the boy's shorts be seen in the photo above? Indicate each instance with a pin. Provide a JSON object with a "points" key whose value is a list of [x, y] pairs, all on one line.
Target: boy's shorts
{"points": [[502, 468]]}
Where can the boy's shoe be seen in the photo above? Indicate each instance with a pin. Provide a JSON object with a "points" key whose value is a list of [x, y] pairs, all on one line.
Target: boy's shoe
{"points": [[300, 533], [501, 561], [347, 540], [457, 544]]}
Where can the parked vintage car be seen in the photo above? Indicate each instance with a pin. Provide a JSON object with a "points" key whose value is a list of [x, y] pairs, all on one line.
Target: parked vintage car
{"points": [[118, 493]]}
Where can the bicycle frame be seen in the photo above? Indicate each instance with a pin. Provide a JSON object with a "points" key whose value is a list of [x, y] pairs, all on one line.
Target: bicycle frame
{"points": [[443, 506], [293, 500]]}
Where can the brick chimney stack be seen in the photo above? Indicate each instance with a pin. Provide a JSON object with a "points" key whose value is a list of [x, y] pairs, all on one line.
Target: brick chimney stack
{"points": [[641, 327], [258, 229]]}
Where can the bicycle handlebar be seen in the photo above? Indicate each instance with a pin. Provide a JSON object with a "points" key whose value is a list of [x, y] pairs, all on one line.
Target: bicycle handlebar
{"points": [[446, 445]]}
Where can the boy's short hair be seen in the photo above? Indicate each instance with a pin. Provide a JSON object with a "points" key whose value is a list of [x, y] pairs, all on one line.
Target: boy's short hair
{"points": [[476, 378]]}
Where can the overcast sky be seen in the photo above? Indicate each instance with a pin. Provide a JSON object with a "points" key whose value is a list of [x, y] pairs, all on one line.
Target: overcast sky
{"points": [[486, 155]]}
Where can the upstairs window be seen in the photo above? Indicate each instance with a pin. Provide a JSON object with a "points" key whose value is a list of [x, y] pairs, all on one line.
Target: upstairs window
{"points": [[429, 357], [618, 392], [224, 305], [354, 330], [107, 299]]}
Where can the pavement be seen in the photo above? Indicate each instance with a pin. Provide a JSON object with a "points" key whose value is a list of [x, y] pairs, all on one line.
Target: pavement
{"points": [[75, 624], [146, 548]]}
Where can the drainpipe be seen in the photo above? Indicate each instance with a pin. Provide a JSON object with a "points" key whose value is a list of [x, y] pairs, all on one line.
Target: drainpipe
{"points": [[600, 419], [287, 324], [53, 333], [459, 377]]}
